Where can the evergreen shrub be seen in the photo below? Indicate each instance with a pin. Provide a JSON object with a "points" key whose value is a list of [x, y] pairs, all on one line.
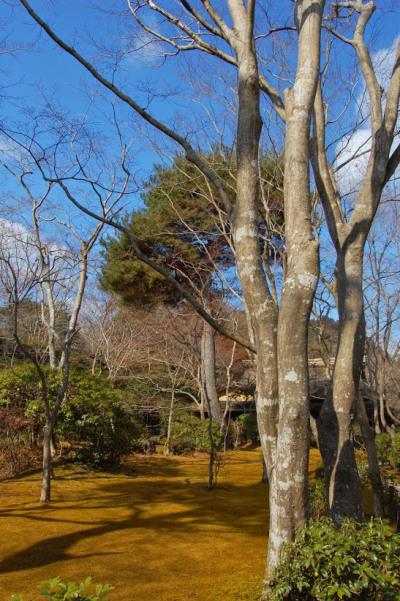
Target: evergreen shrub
{"points": [[359, 561]]}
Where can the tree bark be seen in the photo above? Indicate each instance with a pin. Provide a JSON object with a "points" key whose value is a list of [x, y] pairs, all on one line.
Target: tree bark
{"points": [[45, 494], [260, 305], [288, 498], [208, 370], [337, 413], [264, 476], [167, 448]]}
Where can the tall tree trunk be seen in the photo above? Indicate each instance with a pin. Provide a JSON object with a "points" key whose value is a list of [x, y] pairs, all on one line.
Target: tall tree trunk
{"points": [[349, 236], [288, 497], [285, 450], [45, 494], [337, 413], [208, 370], [167, 448], [260, 306]]}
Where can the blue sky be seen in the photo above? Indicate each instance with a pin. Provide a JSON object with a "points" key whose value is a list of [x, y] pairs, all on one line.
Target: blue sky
{"points": [[44, 70], [39, 71]]}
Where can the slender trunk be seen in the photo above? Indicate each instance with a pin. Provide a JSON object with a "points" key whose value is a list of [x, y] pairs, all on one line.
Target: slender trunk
{"points": [[373, 463], [52, 445], [395, 420], [208, 371], [377, 423], [212, 461], [45, 494], [337, 414], [381, 380], [202, 412], [288, 497], [260, 305], [167, 448], [94, 363]]}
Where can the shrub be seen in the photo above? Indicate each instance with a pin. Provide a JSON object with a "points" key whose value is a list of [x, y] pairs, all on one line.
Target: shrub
{"points": [[317, 498], [248, 427], [360, 562], [189, 433], [105, 437], [96, 422], [57, 590], [388, 448], [94, 417]]}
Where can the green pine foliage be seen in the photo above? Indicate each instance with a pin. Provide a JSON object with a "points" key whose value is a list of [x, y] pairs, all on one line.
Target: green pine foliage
{"points": [[179, 227]]}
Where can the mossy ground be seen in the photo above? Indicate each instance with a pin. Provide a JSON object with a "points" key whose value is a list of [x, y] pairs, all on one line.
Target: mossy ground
{"points": [[152, 530]]}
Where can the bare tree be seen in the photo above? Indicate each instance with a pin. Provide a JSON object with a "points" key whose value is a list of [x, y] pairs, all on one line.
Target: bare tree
{"points": [[349, 234], [51, 262], [382, 307], [113, 335]]}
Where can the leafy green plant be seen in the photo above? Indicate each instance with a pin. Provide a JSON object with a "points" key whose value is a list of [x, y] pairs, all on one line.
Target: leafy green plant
{"points": [[57, 590], [388, 449], [95, 419], [190, 434], [248, 427], [360, 562], [106, 436], [317, 498]]}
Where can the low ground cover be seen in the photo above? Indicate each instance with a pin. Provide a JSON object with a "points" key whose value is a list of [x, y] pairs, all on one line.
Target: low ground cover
{"points": [[152, 529]]}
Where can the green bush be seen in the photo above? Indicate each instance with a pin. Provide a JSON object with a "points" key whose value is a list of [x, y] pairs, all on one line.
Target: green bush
{"points": [[95, 416], [388, 449], [360, 562], [57, 590], [249, 427], [190, 434], [317, 498], [105, 437], [95, 420]]}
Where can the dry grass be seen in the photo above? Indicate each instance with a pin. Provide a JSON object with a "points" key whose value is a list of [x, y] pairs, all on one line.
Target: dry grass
{"points": [[152, 530]]}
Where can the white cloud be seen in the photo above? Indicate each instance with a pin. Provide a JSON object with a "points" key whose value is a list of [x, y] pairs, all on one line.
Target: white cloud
{"points": [[352, 154], [352, 151], [383, 63]]}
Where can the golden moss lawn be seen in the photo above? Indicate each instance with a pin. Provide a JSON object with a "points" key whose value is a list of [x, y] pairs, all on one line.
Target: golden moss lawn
{"points": [[152, 530]]}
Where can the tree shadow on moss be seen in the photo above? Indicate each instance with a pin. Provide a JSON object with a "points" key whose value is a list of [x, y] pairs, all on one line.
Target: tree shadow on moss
{"points": [[157, 505]]}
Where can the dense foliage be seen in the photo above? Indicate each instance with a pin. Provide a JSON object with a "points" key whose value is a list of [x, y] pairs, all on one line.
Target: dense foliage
{"points": [[190, 434], [360, 562], [180, 228], [95, 420], [248, 429], [388, 449]]}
